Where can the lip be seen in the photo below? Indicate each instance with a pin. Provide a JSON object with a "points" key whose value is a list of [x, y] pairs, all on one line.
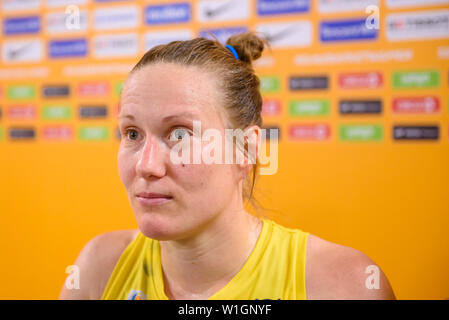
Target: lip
{"points": [[152, 199]]}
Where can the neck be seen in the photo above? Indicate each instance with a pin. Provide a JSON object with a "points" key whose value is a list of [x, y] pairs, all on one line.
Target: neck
{"points": [[197, 267]]}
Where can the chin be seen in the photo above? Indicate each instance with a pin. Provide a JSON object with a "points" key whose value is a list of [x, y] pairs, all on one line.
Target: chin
{"points": [[158, 226]]}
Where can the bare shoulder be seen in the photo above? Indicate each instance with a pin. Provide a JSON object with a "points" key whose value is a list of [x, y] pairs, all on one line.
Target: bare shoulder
{"points": [[96, 261], [335, 271]]}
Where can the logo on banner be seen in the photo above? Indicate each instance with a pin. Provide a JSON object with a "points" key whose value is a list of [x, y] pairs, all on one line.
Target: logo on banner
{"points": [[360, 80], [24, 25], [308, 83], [56, 91], [123, 45], [21, 112], [222, 10], [416, 79], [360, 107], [331, 6], [22, 51], [22, 133], [309, 132], [53, 132], [19, 5], [287, 34], [93, 112], [415, 132], [273, 7], [360, 133], [169, 13], [116, 18], [422, 25], [63, 3], [346, 30], [416, 105], [414, 3], [68, 48]]}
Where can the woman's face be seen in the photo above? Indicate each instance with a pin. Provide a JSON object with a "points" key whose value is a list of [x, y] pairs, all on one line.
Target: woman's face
{"points": [[158, 102]]}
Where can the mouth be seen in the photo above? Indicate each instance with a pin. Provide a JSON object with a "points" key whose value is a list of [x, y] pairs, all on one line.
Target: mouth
{"points": [[152, 199]]}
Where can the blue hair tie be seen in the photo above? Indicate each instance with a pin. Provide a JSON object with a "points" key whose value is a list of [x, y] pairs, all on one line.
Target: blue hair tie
{"points": [[231, 48]]}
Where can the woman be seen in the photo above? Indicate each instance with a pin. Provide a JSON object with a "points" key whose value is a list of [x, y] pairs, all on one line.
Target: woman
{"points": [[195, 239]]}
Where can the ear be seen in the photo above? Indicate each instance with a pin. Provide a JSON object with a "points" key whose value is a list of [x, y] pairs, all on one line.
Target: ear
{"points": [[252, 141]]}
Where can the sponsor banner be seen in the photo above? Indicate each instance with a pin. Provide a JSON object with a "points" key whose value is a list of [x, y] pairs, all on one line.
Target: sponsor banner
{"points": [[271, 107], [22, 25], [359, 133], [275, 7], [416, 79], [360, 107], [308, 83], [57, 132], [68, 48], [64, 3], [116, 18], [122, 45], [423, 25], [309, 107], [287, 34], [89, 89], [309, 132], [269, 84], [415, 132], [93, 112], [155, 38], [221, 34], [21, 92], [167, 13], [61, 22], [22, 133], [414, 3], [360, 80], [416, 105], [346, 30], [93, 133], [222, 10], [21, 112], [20, 5], [332, 6], [56, 112], [18, 51], [56, 91]]}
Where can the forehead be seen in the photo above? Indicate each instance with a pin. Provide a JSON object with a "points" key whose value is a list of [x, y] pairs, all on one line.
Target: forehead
{"points": [[166, 88]]}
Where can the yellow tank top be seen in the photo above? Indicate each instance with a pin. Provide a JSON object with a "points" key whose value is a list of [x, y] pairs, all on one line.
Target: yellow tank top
{"points": [[275, 269]]}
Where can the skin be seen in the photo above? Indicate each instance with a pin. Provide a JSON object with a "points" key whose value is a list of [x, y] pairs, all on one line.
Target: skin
{"points": [[204, 231]]}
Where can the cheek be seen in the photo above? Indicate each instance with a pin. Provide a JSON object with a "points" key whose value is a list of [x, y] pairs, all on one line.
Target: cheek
{"points": [[125, 167]]}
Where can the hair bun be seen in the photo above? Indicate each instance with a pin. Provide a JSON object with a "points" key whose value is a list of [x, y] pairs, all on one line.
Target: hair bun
{"points": [[248, 46]]}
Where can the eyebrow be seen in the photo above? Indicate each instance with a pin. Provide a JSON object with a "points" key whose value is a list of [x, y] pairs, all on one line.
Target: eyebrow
{"points": [[167, 118]]}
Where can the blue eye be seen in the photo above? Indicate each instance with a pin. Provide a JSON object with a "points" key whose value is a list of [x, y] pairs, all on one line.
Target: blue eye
{"points": [[179, 134]]}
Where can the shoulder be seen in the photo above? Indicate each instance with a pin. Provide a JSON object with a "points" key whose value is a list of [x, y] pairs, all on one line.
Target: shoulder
{"points": [[96, 261], [335, 271]]}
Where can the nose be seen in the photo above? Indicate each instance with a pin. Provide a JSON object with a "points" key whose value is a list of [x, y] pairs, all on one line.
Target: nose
{"points": [[151, 159]]}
